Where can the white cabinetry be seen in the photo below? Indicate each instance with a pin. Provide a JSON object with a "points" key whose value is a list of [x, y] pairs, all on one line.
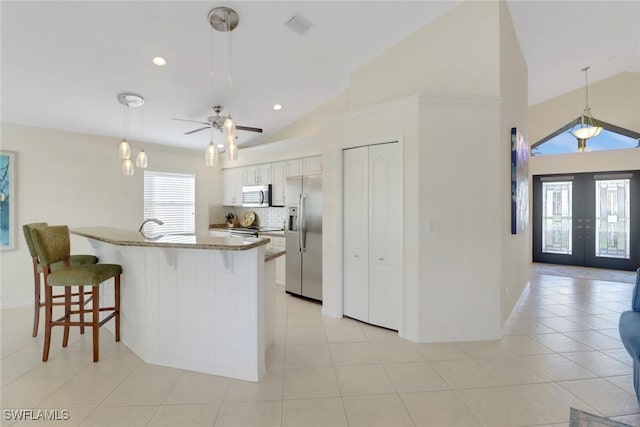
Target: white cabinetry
{"points": [[257, 175], [306, 166], [232, 187], [312, 166], [294, 167], [275, 174], [278, 178], [372, 237]]}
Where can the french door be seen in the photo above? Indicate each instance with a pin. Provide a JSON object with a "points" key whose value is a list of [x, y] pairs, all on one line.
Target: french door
{"points": [[587, 219]]}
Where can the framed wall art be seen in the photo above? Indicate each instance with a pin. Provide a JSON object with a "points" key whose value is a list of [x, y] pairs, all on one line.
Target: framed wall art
{"points": [[519, 182], [7, 200]]}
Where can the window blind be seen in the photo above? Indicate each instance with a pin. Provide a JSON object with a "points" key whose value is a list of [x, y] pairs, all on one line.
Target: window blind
{"points": [[171, 198]]}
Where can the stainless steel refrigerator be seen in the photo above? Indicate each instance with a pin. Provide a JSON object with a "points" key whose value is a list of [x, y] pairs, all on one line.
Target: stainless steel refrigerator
{"points": [[303, 197]]}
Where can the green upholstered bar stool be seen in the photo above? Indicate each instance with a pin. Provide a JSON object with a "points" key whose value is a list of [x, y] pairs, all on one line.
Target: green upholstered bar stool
{"points": [[74, 260], [53, 245]]}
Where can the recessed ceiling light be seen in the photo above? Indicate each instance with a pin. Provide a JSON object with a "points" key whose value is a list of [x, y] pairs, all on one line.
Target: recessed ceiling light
{"points": [[220, 145], [159, 61], [277, 107]]}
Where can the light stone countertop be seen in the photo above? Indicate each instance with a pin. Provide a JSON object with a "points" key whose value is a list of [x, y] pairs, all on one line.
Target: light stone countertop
{"points": [[120, 237]]}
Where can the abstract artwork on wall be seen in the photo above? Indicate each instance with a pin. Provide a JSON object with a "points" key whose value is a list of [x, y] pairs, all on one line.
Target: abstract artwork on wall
{"points": [[7, 200], [519, 182]]}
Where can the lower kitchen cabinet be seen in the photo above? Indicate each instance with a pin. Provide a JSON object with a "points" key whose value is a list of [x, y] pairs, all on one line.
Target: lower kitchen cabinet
{"points": [[372, 239]]}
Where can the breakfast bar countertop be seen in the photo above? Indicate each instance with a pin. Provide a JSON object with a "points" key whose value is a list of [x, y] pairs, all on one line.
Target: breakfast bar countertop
{"points": [[120, 237]]}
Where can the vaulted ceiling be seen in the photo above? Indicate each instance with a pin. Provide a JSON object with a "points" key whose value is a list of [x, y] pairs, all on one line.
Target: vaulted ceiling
{"points": [[64, 63]]}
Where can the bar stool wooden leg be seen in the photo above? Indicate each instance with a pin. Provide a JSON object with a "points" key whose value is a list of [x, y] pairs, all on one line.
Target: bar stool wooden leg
{"points": [[117, 306], [67, 315], [96, 322], [81, 307], [48, 314], [36, 293]]}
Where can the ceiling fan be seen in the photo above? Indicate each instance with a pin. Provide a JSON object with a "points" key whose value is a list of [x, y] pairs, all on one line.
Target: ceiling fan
{"points": [[216, 121]]}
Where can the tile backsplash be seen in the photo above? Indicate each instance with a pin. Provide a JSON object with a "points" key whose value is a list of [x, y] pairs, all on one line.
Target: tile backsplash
{"points": [[266, 217]]}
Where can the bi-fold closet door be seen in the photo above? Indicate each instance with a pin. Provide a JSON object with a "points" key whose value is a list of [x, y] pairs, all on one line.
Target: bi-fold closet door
{"points": [[372, 234]]}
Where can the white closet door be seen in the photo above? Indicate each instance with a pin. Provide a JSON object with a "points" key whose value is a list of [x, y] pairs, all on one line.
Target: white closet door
{"points": [[385, 229], [356, 234]]}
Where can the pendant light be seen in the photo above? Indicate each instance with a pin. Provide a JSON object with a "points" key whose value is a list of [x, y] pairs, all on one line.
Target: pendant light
{"points": [[588, 127], [232, 147], [141, 159], [211, 154], [224, 19], [124, 149]]}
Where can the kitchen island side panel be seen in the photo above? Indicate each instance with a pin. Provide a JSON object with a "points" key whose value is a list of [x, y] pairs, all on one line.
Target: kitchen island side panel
{"points": [[196, 309]]}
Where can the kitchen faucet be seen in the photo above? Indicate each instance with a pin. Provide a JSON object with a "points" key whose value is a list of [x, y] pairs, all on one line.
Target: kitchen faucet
{"points": [[157, 221]]}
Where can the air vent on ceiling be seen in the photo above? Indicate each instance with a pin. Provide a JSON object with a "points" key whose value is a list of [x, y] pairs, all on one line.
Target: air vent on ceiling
{"points": [[298, 23]]}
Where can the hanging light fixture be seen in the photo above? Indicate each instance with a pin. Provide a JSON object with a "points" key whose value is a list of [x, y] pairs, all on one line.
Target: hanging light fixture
{"points": [[142, 160], [124, 149], [225, 20], [221, 19], [588, 126], [211, 154]]}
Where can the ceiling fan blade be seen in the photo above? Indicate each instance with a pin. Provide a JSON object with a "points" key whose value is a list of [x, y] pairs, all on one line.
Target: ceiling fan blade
{"points": [[249, 129], [196, 130], [191, 121]]}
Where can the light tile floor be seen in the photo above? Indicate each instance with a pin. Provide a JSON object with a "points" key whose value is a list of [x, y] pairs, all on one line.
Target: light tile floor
{"points": [[561, 349]]}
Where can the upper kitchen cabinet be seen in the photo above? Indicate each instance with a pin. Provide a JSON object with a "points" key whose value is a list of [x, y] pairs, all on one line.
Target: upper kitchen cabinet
{"points": [[306, 166], [232, 186], [278, 178], [257, 175], [312, 166], [294, 167]]}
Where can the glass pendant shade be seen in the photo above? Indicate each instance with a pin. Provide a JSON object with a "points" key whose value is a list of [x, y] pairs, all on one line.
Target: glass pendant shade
{"points": [[141, 159], [127, 167], [124, 150], [229, 127], [586, 129], [211, 155], [233, 150]]}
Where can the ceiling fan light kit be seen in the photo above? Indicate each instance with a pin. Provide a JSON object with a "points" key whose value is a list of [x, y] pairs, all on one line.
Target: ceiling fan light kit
{"points": [[221, 19]]}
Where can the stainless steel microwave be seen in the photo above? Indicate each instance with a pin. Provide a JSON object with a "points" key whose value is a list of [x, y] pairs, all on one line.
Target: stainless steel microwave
{"points": [[256, 196]]}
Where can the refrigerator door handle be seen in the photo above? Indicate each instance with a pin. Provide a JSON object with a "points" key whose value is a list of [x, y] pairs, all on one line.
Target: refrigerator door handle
{"points": [[299, 224], [303, 222]]}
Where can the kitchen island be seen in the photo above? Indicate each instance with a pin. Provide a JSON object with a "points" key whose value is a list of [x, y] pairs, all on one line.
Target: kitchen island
{"points": [[192, 302]]}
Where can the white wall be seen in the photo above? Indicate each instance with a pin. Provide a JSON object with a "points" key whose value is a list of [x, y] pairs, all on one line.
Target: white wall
{"points": [[516, 249], [456, 169], [76, 179], [456, 54]]}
